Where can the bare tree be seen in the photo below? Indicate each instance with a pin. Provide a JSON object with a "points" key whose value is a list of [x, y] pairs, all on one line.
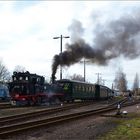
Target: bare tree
{"points": [[19, 68], [77, 77], [4, 73], [120, 81], [136, 84]]}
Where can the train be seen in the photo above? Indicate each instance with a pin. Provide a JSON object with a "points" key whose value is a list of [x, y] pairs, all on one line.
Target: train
{"points": [[4, 92], [31, 89], [77, 90], [26, 88]]}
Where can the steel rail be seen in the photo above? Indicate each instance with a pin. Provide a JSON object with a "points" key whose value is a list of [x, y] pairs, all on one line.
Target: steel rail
{"points": [[18, 128], [29, 115], [25, 116], [5, 105]]}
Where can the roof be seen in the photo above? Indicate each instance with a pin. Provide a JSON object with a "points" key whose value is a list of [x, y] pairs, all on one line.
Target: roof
{"points": [[80, 82], [74, 81]]}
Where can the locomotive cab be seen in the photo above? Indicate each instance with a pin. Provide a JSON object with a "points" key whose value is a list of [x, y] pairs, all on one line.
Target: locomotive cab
{"points": [[26, 88]]}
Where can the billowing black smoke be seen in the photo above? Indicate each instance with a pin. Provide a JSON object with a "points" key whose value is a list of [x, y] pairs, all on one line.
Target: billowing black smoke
{"points": [[118, 38]]}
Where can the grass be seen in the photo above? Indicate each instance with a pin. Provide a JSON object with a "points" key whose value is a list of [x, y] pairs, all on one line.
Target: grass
{"points": [[128, 129]]}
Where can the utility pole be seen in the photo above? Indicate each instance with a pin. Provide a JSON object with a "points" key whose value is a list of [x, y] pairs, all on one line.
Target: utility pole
{"points": [[98, 77], [112, 86], [84, 70], [84, 61], [61, 37]]}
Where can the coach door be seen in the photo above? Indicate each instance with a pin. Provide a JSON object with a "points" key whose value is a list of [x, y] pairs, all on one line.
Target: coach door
{"points": [[67, 91], [97, 91]]}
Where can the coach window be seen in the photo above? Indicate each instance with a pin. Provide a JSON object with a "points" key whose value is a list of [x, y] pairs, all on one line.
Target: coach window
{"points": [[73, 89], [76, 88], [38, 80], [86, 89], [89, 89], [92, 88], [79, 87], [83, 88], [15, 78], [26, 78], [20, 78]]}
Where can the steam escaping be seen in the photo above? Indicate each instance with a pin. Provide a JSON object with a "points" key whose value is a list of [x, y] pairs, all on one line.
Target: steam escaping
{"points": [[118, 38]]}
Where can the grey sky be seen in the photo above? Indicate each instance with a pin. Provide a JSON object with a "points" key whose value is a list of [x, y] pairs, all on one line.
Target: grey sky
{"points": [[27, 30]]}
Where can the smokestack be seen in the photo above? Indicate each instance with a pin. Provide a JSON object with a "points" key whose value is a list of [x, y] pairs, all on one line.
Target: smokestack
{"points": [[118, 38]]}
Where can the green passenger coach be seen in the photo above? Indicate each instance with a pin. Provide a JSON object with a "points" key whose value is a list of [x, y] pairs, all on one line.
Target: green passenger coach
{"points": [[73, 90]]}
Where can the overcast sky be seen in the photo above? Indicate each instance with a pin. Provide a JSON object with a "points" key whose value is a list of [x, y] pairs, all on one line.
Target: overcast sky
{"points": [[27, 29]]}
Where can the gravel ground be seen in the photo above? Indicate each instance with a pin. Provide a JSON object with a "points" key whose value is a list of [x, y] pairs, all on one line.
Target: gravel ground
{"points": [[88, 128]]}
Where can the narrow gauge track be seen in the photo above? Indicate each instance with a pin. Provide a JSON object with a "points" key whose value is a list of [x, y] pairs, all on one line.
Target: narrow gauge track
{"points": [[30, 115], [5, 105], [26, 116], [20, 128]]}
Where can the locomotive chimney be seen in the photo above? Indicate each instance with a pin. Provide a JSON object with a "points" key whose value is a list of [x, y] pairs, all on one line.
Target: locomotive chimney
{"points": [[53, 79]]}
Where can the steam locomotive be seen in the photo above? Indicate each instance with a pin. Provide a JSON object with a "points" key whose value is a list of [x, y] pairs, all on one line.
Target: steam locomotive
{"points": [[31, 89]]}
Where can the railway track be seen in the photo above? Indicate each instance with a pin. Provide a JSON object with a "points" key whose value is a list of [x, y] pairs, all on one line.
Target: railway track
{"points": [[5, 105], [30, 115], [20, 128], [30, 125], [26, 116]]}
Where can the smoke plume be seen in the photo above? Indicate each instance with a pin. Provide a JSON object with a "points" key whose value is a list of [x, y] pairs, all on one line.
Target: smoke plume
{"points": [[77, 30], [118, 38]]}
